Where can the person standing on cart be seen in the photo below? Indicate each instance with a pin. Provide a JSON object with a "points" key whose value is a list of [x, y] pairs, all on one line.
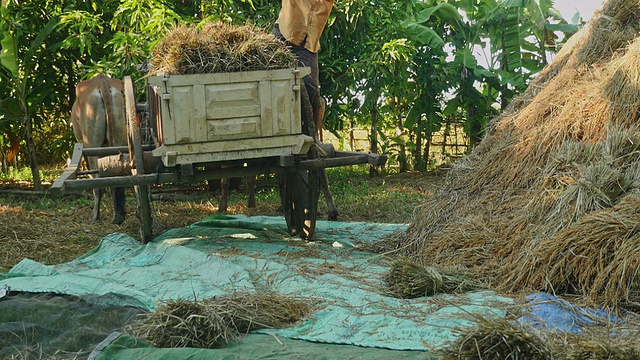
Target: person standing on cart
{"points": [[300, 24]]}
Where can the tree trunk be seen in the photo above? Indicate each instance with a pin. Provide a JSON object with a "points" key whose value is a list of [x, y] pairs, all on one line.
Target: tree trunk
{"points": [[418, 152], [475, 130], [543, 47], [427, 149], [445, 135], [352, 139], [3, 154], [373, 146], [31, 150]]}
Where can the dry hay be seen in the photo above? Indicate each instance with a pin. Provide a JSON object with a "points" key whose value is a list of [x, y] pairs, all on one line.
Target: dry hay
{"points": [[217, 321], [407, 280], [184, 323], [598, 347], [64, 230], [498, 339], [544, 201], [50, 237], [505, 338], [219, 47], [597, 256]]}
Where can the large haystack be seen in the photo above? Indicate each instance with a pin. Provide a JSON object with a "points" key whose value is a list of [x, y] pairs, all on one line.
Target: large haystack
{"points": [[550, 200]]}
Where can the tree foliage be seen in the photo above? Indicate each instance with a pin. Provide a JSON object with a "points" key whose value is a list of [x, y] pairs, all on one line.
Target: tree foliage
{"points": [[399, 68]]}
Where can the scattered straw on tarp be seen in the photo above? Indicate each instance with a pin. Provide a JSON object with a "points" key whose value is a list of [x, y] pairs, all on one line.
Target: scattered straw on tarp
{"points": [[541, 202], [215, 322], [219, 47]]}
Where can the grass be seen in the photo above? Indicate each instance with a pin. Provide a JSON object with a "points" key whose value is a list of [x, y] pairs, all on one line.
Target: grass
{"points": [[51, 230]]}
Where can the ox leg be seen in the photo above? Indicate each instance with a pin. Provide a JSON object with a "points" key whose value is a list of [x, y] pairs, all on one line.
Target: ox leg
{"points": [[331, 207], [119, 211], [97, 196], [251, 185], [224, 196]]}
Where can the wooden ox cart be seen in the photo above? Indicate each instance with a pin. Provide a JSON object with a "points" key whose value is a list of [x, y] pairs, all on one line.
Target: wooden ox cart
{"points": [[212, 126]]}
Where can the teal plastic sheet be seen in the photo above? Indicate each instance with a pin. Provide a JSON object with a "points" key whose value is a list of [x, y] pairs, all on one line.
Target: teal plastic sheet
{"points": [[237, 253], [252, 346]]}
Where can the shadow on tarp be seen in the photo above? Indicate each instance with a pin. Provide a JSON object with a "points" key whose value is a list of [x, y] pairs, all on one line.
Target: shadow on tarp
{"points": [[252, 346], [41, 325]]}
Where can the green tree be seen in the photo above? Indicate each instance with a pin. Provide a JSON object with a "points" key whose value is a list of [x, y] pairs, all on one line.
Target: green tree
{"points": [[503, 29], [396, 67], [364, 66], [23, 49]]}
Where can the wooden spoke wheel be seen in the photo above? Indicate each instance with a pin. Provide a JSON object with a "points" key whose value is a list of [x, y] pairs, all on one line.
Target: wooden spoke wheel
{"points": [[299, 196], [299, 189], [142, 192]]}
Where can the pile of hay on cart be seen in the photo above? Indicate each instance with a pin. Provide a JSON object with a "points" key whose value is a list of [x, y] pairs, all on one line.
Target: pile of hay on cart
{"points": [[550, 199], [219, 47]]}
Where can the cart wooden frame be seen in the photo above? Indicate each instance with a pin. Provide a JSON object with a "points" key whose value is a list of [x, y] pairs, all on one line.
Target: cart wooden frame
{"points": [[213, 126]]}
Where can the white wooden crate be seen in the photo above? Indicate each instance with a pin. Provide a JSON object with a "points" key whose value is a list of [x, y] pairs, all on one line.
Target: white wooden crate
{"points": [[228, 116]]}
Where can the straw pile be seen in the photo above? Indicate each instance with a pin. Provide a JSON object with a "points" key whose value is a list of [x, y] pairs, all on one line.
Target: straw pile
{"points": [[219, 47], [549, 199], [596, 348], [502, 338], [498, 339], [407, 280], [215, 322]]}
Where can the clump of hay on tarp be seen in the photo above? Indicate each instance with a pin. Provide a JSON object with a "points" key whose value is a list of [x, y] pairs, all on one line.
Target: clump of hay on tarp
{"points": [[217, 321], [566, 149], [407, 280], [219, 47], [183, 323], [498, 339], [597, 349]]}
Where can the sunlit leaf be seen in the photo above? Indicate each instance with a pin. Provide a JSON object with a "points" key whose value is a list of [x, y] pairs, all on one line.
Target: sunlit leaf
{"points": [[8, 56]]}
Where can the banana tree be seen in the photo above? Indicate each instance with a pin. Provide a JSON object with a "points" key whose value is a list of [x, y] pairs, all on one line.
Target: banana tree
{"points": [[493, 57]]}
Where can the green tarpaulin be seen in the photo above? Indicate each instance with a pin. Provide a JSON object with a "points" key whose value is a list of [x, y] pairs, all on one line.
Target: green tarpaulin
{"points": [[223, 254]]}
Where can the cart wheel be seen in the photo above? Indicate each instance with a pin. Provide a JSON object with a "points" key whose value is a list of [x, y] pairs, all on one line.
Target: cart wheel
{"points": [[299, 189], [136, 154], [300, 202]]}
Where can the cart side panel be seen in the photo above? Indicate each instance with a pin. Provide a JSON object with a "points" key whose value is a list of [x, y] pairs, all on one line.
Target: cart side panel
{"points": [[189, 102], [233, 111], [220, 112]]}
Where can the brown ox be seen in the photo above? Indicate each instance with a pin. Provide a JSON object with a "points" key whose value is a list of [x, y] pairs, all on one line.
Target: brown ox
{"points": [[98, 119]]}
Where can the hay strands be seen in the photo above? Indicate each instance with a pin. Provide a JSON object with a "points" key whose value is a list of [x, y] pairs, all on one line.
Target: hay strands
{"points": [[218, 321], [407, 279]]}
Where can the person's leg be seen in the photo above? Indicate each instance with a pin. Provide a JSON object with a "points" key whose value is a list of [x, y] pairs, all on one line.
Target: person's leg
{"points": [[308, 59]]}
